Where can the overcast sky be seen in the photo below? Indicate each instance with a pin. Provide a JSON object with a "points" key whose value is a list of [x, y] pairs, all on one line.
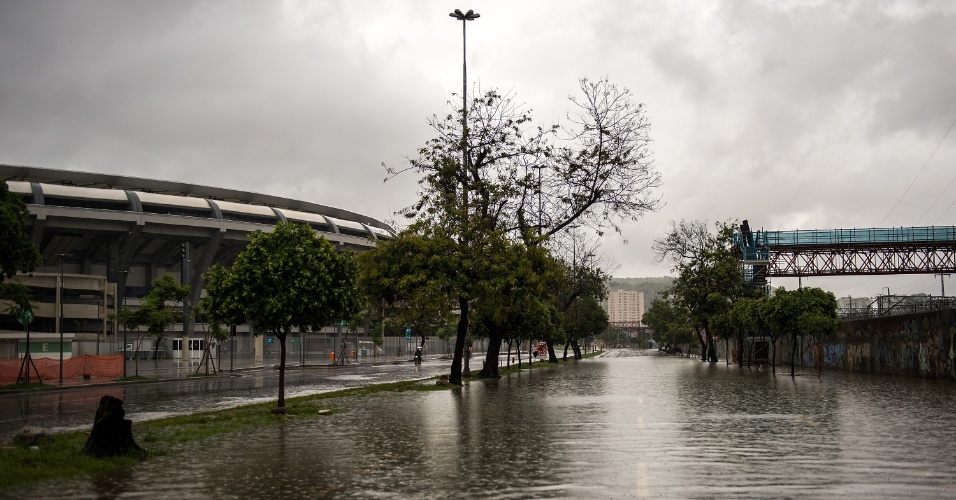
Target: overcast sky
{"points": [[791, 114]]}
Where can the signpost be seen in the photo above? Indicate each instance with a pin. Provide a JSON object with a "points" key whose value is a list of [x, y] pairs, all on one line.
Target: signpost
{"points": [[25, 318]]}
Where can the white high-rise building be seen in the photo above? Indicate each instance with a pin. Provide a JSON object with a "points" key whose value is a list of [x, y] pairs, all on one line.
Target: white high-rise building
{"points": [[625, 307]]}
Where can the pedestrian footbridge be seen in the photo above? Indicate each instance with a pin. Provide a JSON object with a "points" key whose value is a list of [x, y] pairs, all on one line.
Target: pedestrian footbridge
{"points": [[837, 252]]}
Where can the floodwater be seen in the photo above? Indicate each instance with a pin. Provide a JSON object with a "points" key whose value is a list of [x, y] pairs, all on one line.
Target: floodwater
{"points": [[617, 426]]}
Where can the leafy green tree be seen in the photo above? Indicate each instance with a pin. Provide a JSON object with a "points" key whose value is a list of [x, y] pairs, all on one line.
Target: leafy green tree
{"points": [[585, 318], [18, 254], [514, 303], [214, 333], [806, 310], [709, 277], [412, 278], [748, 314], [525, 182], [670, 322], [284, 280], [155, 312]]}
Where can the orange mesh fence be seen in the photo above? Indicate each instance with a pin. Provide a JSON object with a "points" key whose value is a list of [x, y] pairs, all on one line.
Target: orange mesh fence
{"points": [[48, 369]]}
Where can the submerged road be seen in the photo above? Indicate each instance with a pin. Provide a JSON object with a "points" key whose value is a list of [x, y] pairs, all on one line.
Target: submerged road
{"points": [[620, 425]]}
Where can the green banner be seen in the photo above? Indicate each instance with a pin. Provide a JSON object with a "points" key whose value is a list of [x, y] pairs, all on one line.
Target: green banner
{"points": [[38, 347]]}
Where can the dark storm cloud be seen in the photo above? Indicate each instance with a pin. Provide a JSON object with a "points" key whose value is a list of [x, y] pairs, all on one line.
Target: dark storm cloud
{"points": [[793, 114]]}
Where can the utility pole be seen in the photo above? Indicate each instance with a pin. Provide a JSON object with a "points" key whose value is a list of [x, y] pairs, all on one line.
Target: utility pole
{"points": [[942, 286]]}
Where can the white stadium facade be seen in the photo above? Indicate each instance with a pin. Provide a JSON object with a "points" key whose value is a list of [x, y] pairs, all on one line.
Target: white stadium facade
{"points": [[104, 238]]}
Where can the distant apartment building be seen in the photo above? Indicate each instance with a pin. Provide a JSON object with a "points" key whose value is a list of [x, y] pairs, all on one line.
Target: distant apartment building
{"points": [[854, 302], [625, 307]]}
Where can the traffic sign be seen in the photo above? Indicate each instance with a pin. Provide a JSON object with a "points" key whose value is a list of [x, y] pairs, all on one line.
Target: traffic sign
{"points": [[26, 317], [408, 334]]}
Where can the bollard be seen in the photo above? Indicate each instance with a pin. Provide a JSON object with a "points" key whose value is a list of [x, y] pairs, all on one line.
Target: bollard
{"points": [[332, 356]]}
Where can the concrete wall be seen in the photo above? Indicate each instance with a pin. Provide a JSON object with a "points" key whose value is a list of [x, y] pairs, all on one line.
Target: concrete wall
{"points": [[917, 345]]}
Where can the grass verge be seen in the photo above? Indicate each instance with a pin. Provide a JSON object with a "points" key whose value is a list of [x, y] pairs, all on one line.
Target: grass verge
{"points": [[21, 387], [60, 457]]}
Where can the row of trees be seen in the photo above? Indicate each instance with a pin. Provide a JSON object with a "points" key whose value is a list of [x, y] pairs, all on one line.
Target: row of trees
{"points": [[710, 298], [499, 203], [494, 246]]}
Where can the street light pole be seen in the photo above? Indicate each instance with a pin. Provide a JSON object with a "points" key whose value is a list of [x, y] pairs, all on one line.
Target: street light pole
{"points": [[468, 16]]}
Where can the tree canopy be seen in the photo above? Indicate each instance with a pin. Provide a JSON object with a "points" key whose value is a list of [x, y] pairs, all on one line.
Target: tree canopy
{"points": [[154, 313], [18, 254], [286, 280], [709, 277], [527, 183]]}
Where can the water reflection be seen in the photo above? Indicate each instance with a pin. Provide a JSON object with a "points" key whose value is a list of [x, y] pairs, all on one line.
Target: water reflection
{"points": [[618, 427]]}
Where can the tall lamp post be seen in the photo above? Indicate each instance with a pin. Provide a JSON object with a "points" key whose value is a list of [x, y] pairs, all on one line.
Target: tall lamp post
{"points": [[468, 16], [62, 257]]}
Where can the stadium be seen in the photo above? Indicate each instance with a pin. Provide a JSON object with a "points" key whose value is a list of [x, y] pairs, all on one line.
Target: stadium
{"points": [[104, 238]]}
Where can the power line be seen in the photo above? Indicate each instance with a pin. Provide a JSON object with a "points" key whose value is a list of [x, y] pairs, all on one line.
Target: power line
{"points": [[919, 174], [944, 212]]}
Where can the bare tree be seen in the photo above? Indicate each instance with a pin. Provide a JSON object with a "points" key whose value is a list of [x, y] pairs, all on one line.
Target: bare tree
{"points": [[686, 240]]}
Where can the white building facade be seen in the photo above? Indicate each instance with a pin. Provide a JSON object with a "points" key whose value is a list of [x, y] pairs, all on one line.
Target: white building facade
{"points": [[625, 307]]}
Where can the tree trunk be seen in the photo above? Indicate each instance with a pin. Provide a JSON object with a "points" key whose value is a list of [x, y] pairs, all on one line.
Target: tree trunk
{"points": [[490, 370], [112, 435], [552, 357], [793, 349], [566, 344], [711, 347], [281, 406], [455, 376], [577, 349], [773, 354], [740, 348]]}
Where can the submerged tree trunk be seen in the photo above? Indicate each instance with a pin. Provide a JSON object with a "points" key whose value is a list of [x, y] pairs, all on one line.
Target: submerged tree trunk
{"points": [[577, 350], [490, 368], [455, 376], [566, 344], [281, 406], [793, 350], [711, 348], [740, 348], [773, 354], [552, 357]]}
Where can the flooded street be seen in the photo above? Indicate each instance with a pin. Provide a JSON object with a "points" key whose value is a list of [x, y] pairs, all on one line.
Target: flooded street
{"points": [[617, 426]]}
